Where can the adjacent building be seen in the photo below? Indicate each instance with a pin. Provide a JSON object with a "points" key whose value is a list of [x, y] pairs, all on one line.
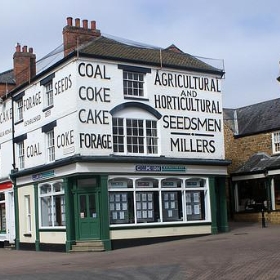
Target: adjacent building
{"points": [[114, 144], [252, 141]]}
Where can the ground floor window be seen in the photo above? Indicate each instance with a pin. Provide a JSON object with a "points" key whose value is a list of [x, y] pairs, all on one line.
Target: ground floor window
{"points": [[251, 195], [52, 204], [2, 213], [161, 200]]}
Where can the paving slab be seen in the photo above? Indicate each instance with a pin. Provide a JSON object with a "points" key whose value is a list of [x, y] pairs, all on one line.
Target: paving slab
{"points": [[248, 251]]}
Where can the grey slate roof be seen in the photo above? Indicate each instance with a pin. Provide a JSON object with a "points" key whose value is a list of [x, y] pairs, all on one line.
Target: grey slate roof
{"points": [[7, 77], [258, 163], [108, 48], [257, 118]]}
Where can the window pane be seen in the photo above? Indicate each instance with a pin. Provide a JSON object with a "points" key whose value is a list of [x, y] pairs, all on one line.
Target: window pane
{"points": [[121, 207], [52, 204], [195, 205], [46, 211], [171, 206], [147, 207]]}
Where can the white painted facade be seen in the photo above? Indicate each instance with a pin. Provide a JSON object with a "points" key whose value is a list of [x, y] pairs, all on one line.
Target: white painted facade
{"points": [[182, 157]]}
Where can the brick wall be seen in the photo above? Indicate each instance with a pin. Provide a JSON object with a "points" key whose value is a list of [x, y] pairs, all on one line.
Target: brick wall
{"points": [[239, 150], [272, 217]]}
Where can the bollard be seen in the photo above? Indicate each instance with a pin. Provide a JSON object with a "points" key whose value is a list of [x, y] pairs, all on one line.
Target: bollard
{"points": [[263, 219]]}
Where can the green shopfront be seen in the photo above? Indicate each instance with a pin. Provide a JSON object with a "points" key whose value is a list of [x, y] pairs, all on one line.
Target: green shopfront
{"points": [[118, 203]]}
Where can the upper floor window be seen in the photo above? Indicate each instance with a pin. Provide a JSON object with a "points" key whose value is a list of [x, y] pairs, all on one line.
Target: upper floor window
{"points": [[48, 129], [276, 142], [19, 141], [48, 89], [135, 136], [21, 160], [20, 110], [49, 94], [50, 146], [134, 81], [133, 84], [18, 99]]}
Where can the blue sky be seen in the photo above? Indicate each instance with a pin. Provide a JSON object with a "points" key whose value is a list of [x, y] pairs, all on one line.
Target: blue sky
{"points": [[244, 34]]}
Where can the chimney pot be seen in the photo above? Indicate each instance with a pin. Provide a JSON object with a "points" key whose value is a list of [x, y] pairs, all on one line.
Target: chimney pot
{"points": [[77, 22], [93, 24], [70, 21], [30, 50], [85, 24], [18, 47], [24, 49]]}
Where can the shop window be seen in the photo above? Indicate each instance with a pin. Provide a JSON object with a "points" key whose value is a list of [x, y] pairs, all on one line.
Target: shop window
{"points": [[195, 199], [252, 195], [2, 213], [276, 142], [149, 200], [171, 200], [135, 136], [52, 204], [277, 193]]}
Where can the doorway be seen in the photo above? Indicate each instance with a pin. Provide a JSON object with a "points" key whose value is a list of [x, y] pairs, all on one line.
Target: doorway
{"points": [[88, 210]]}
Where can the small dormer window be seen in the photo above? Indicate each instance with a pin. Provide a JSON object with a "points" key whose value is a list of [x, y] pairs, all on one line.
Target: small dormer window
{"points": [[276, 142]]}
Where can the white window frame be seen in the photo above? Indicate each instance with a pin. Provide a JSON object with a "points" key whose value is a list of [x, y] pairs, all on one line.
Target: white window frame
{"points": [[50, 146], [276, 142], [20, 109], [21, 155], [49, 93], [133, 84], [140, 138], [51, 210], [120, 185]]}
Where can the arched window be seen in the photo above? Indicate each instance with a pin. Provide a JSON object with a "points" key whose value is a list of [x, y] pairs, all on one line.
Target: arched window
{"points": [[135, 131]]}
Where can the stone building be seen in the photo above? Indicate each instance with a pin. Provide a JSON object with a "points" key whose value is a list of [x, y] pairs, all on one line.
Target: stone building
{"points": [[252, 142]]}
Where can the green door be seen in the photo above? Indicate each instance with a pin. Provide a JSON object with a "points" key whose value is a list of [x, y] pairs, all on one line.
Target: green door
{"points": [[88, 218]]}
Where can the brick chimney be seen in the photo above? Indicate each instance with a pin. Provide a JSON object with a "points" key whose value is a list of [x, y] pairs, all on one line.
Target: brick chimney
{"points": [[24, 64], [74, 36]]}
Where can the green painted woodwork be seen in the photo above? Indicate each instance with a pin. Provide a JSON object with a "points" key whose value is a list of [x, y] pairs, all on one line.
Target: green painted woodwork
{"points": [[104, 210], [213, 203], [36, 206], [16, 216]]}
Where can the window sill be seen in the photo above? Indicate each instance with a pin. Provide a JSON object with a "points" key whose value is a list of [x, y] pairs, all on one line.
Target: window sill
{"points": [[47, 108], [136, 98], [17, 122]]}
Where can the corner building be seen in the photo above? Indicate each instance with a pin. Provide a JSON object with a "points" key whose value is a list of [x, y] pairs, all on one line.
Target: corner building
{"points": [[117, 144]]}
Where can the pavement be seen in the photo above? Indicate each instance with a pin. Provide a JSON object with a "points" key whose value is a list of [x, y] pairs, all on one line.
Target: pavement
{"points": [[247, 251]]}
